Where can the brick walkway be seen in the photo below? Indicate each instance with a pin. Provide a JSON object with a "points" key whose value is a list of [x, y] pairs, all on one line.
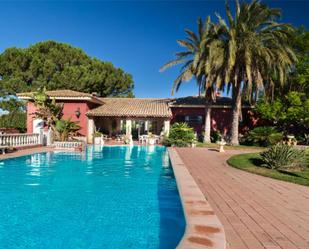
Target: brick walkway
{"points": [[256, 211]]}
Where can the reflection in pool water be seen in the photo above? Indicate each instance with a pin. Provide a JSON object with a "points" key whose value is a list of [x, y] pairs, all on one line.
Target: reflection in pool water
{"points": [[107, 197]]}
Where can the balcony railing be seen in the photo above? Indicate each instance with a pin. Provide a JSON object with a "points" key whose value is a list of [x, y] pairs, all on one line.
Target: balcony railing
{"points": [[19, 140]]}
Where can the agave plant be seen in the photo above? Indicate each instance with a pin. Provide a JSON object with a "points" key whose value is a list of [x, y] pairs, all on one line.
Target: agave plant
{"points": [[283, 156]]}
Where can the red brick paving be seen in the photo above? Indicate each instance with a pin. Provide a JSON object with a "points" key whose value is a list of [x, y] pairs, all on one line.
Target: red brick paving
{"points": [[256, 211]]}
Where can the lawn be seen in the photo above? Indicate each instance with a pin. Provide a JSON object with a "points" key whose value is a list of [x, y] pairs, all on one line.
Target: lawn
{"points": [[252, 162], [229, 147]]}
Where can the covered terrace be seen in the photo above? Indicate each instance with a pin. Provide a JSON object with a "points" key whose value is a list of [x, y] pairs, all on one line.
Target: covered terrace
{"points": [[129, 116]]}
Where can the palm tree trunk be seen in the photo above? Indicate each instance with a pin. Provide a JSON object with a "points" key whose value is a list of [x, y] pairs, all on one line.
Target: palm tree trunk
{"points": [[207, 123], [236, 109]]}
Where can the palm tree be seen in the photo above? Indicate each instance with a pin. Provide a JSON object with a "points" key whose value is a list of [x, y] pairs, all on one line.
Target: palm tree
{"points": [[66, 128], [46, 108], [194, 60], [255, 48]]}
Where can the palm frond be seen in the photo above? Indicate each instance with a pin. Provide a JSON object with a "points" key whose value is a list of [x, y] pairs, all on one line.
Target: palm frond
{"points": [[171, 63]]}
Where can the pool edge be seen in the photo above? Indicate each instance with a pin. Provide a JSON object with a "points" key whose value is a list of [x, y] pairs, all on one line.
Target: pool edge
{"points": [[203, 227], [26, 152]]}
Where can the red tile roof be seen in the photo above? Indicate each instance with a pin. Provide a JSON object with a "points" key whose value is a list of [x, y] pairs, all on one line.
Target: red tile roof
{"points": [[132, 107], [63, 94]]}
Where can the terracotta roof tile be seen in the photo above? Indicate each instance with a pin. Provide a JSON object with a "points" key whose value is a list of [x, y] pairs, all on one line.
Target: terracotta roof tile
{"points": [[132, 107], [195, 101], [70, 94], [199, 101], [59, 93]]}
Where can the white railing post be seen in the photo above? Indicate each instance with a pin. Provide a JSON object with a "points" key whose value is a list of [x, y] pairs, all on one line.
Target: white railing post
{"points": [[41, 137]]}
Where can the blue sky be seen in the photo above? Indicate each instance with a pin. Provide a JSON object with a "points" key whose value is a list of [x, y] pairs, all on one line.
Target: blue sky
{"points": [[136, 36]]}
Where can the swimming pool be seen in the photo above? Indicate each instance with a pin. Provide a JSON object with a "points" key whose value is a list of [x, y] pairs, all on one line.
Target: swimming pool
{"points": [[107, 197]]}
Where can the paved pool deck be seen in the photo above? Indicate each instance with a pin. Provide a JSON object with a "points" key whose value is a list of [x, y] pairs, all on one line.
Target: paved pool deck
{"points": [[256, 212], [27, 151]]}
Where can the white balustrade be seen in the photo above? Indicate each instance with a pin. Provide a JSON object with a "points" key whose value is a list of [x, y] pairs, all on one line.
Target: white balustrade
{"points": [[19, 140], [69, 145]]}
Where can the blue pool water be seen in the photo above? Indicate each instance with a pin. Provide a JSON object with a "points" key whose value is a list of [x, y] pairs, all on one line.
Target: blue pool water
{"points": [[107, 197]]}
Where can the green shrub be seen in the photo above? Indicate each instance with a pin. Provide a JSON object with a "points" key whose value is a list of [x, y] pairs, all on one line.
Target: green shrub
{"points": [[14, 120], [264, 136], [215, 136], [166, 142], [66, 128], [180, 143], [98, 134], [181, 135], [283, 156]]}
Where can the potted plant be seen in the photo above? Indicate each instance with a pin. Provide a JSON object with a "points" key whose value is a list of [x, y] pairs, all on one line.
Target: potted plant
{"points": [[291, 140], [127, 139], [221, 144], [98, 138]]}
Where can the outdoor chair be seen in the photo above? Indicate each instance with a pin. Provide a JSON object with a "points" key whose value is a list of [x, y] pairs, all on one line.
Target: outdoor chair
{"points": [[142, 139]]}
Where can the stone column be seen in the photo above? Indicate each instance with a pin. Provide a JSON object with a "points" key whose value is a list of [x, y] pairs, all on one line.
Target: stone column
{"points": [[207, 125], [91, 130], [146, 125], [166, 127], [128, 127], [118, 126]]}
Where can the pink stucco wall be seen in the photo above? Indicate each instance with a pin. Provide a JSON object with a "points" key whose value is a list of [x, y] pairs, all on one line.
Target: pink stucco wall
{"points": [[30, 111], [69, 109], [221, 118]]}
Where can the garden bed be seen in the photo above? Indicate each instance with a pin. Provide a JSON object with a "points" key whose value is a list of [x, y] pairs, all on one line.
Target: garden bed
{"points": [[252, 163]]}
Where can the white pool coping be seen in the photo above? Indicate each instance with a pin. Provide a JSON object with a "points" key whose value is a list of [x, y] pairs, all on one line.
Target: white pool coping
{"points": [[203, 228]]}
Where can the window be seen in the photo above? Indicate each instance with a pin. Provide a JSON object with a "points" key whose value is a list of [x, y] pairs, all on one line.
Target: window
{"points": [[194, 119]]}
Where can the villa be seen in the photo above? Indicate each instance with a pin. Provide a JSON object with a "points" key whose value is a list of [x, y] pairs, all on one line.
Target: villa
{"points": [[136, 116], [82, 166]]}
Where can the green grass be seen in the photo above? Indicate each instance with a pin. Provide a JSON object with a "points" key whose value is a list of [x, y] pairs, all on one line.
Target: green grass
{"points": [[229, 147], [252, 162]]}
